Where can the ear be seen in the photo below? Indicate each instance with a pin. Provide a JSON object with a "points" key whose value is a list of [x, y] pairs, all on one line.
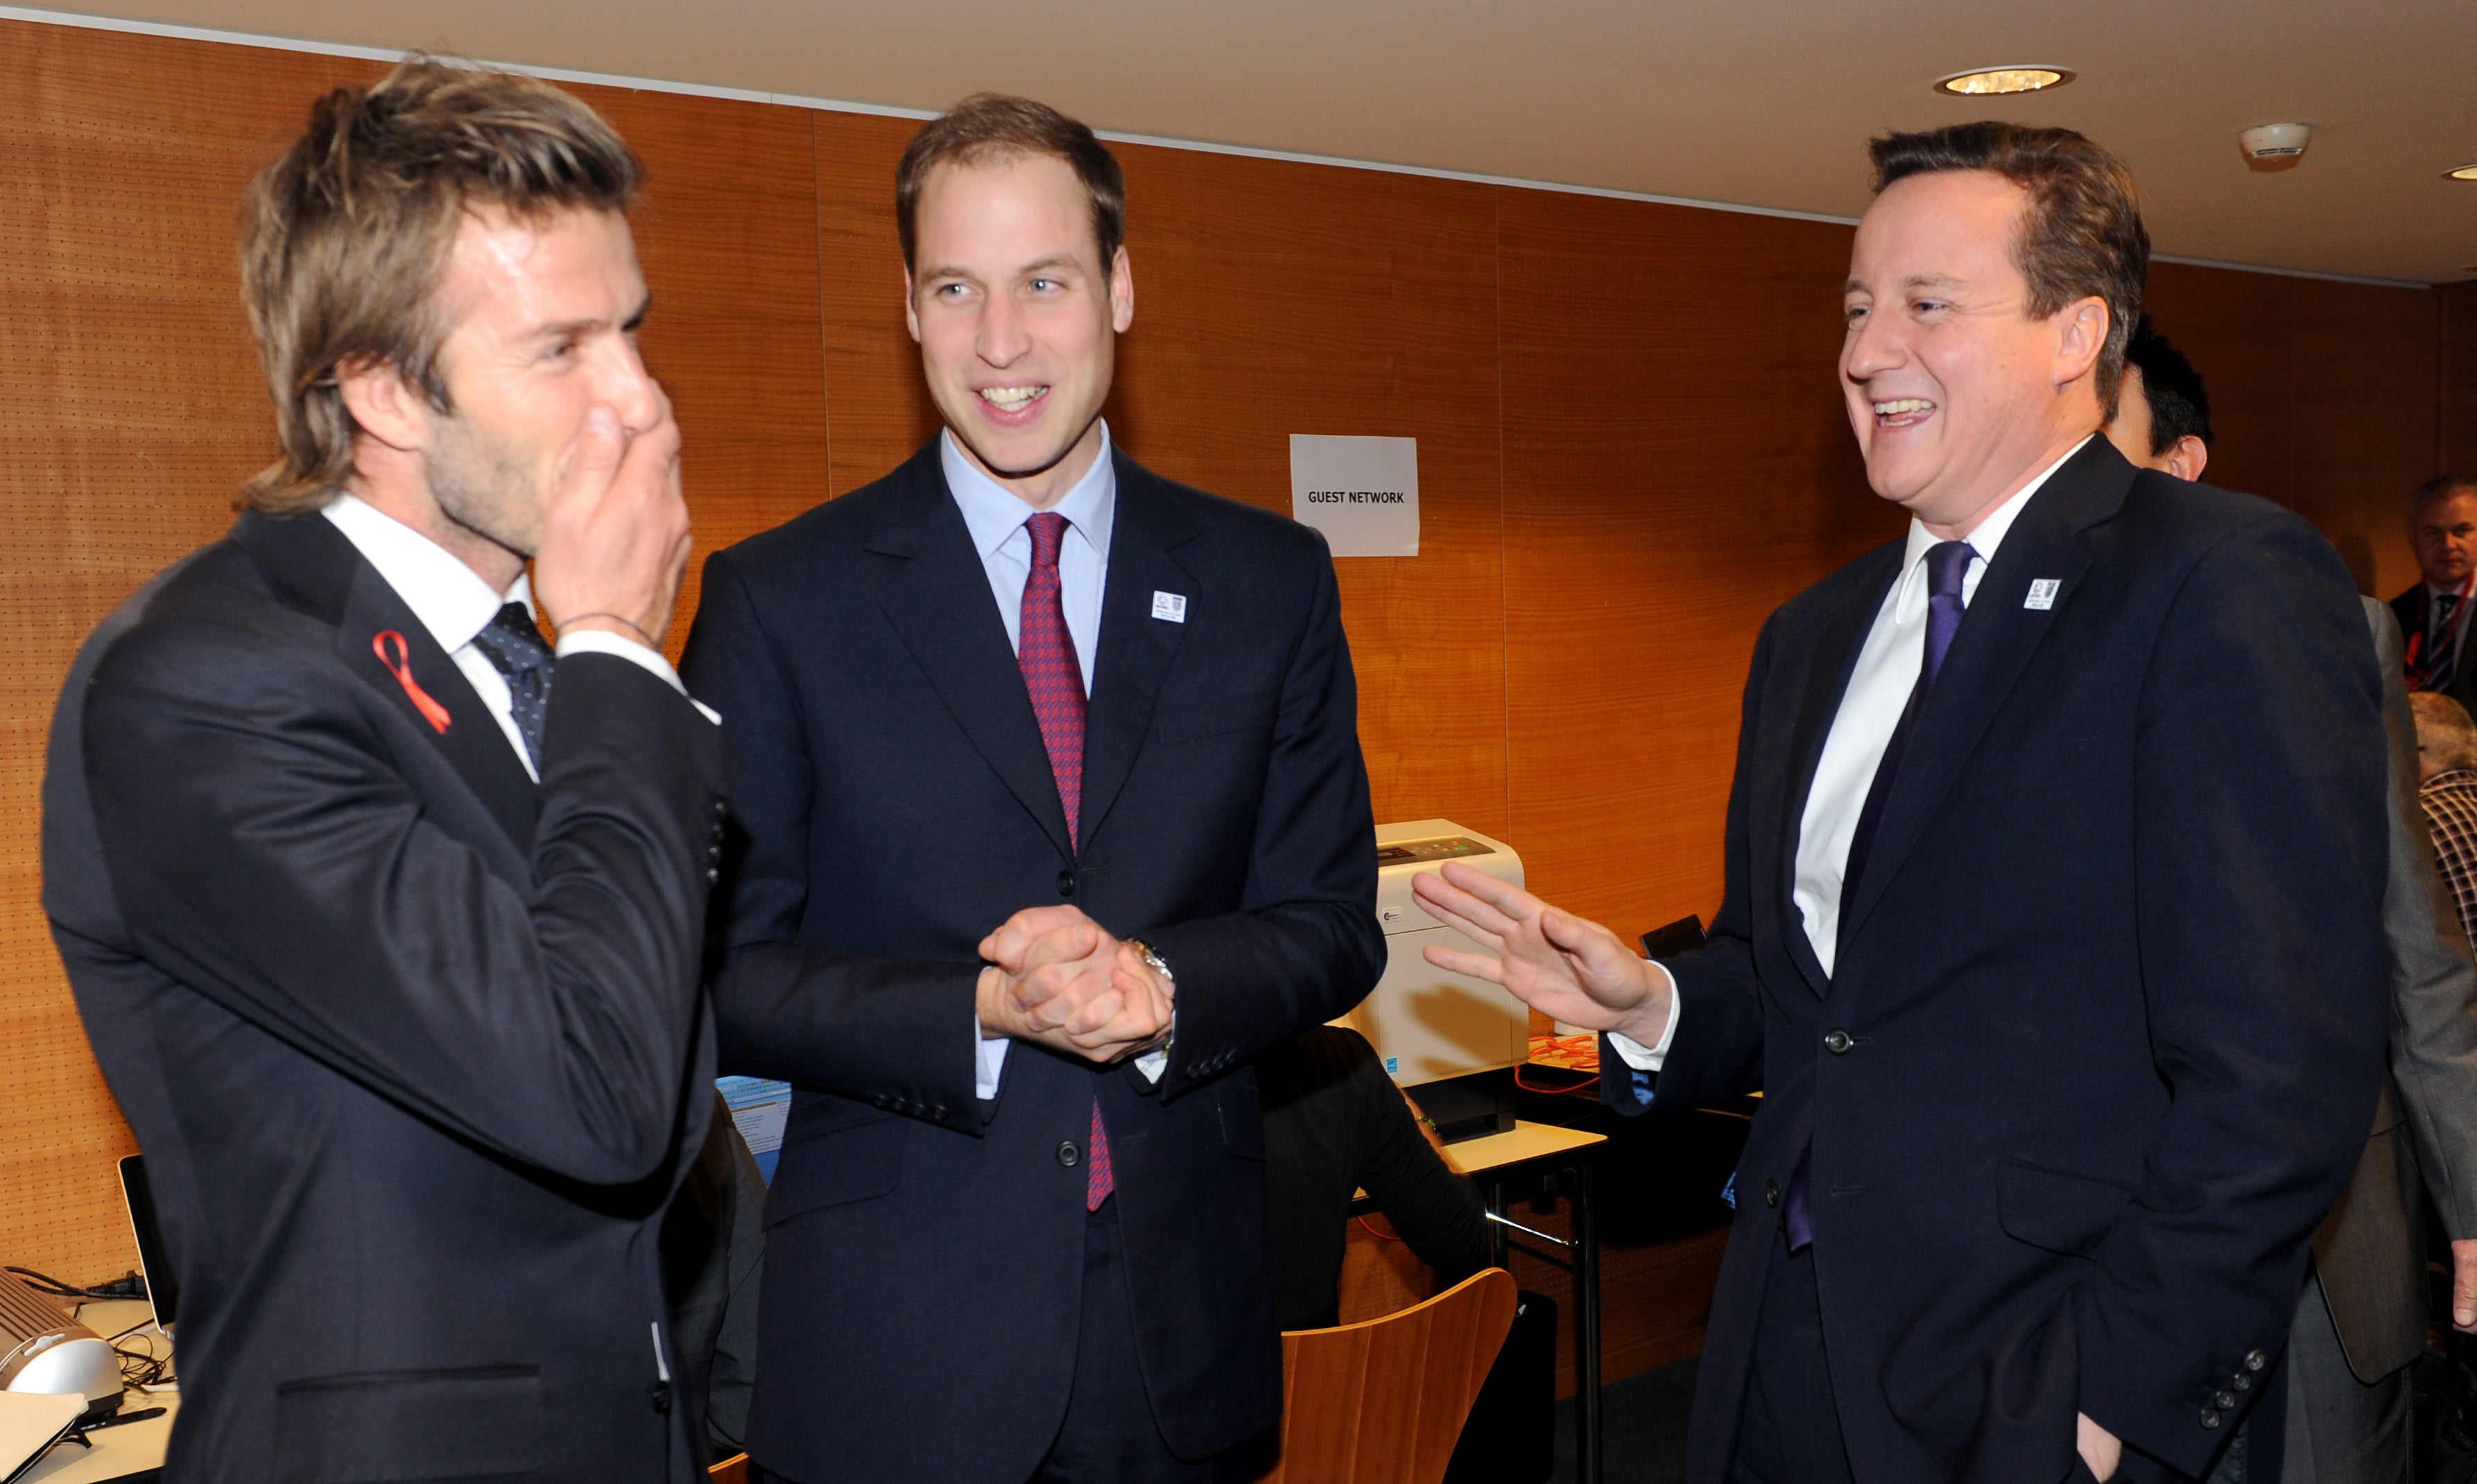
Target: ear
{"points": [[2081, 335], [911, 308], [1122, 291], [385, 406], [2189, 458]]}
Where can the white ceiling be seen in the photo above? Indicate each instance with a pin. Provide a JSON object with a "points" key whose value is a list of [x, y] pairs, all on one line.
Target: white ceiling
{"points": [[1753, 102]]}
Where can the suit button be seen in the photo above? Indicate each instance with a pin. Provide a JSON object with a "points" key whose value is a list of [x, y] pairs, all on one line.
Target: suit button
{"points": [[2209, 1418], [720, 808], [2242, 1382], [712, 876], [660, 1396], [2224, 1400], [1772, 1193], [1837, 1041], [2255, 1360], [1066, 883], [1068, 1154]]}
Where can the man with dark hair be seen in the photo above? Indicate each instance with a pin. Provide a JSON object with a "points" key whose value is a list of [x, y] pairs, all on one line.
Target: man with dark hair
{"points": [[2363, 1317], [385, 916], [2163, 421], [1053, 790], [2069, 1033], [2434, 614]]}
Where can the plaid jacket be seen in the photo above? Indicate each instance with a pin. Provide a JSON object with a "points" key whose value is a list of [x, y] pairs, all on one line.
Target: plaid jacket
{"points": [[2450, 801]]}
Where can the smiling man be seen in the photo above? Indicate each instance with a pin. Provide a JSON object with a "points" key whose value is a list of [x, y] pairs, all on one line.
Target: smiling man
{"points": [[2052, 935], [384, 915], [1053, 816]]}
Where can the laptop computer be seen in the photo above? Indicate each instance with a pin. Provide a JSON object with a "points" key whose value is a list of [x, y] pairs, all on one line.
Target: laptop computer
{"points": [[163, 1289]]}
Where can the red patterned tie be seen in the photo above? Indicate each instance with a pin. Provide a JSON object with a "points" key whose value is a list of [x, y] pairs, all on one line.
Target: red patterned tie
{"points": [[1046, 652]]}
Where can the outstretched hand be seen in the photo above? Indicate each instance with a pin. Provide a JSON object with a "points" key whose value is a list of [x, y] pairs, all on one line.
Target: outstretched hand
{"points": [[1565, 966]]}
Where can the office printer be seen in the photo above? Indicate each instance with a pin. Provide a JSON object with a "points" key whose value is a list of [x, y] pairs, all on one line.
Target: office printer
{"points": [[1449, 1040]]}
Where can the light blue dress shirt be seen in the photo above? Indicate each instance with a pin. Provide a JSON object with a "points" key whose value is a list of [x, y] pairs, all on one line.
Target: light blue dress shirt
{"points": [[997, 519]]}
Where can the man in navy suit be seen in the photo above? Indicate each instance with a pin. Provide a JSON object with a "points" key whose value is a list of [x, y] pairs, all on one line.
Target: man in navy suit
{"points": [[1053, 816], [2055, 868]]}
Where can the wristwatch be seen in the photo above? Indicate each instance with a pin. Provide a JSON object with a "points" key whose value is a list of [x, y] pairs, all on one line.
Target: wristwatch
{"points": [[1160, 966]]}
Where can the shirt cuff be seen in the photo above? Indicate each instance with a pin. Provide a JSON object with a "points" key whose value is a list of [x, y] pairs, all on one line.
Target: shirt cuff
{"points": [[990, 1053], [604, 641], [1152, 1064], [1634, 1053]]}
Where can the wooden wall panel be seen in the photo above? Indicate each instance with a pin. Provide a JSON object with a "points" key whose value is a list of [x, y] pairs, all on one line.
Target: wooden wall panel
{"points": [[1632, 441], [1678, 462], [2457, 401], [133, 409], [1275, 299]]}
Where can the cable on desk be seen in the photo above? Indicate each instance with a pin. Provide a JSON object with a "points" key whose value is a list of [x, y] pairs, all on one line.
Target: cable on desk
{"points": [[1373, 1232], [1588, 1083]]}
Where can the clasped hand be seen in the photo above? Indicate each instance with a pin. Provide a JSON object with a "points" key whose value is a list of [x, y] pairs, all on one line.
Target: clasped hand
{"points": [[1057, 977]]}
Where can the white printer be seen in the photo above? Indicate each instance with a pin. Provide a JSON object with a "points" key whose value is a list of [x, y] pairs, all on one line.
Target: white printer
{"points": [[1429, 1026]]}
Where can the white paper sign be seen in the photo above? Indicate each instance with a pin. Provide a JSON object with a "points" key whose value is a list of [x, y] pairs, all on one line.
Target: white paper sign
{"points": [[1361, 493]]}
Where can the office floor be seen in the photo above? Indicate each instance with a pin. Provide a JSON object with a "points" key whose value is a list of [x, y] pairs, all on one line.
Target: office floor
{"points": [[1644, 1427]]}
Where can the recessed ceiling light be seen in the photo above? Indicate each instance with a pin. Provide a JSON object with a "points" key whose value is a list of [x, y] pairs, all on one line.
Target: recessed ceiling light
{"points": [[1985, 81], [2466, 172]]}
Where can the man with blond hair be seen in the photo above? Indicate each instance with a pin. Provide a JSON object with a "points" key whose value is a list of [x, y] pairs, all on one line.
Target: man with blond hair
{"points": [[384, 913]]}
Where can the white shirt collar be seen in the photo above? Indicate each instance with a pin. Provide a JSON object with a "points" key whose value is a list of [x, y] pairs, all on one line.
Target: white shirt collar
{"points": [[451, 599], [1989, 533], [994, 514]]}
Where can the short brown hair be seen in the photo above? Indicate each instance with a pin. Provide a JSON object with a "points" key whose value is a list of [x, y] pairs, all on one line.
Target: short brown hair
{"points": [[342, 237], [2442, 487], [2082, 236], [993, 126], [2443, 729]]}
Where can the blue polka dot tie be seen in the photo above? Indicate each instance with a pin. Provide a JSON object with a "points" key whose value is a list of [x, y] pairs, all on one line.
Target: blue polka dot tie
{"points": [[514, 649]]}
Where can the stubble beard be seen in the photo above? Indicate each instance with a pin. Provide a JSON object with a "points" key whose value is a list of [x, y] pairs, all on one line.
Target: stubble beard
{"points": [[481, 485]]}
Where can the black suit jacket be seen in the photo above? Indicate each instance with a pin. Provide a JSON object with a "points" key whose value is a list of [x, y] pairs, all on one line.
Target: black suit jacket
{"points": [[2114, 989], [410, 1044], [2409, 608], [925, 1250]]}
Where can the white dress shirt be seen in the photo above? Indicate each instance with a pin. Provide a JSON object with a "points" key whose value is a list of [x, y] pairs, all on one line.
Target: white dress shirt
{"points": [[1871, 710], [998, 520], [454, 604]]}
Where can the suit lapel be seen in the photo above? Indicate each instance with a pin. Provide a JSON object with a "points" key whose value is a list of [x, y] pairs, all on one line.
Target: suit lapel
{"points": [[1997, 637], [315, 567], [938, 598], [1839, 635], [1135, 648]]}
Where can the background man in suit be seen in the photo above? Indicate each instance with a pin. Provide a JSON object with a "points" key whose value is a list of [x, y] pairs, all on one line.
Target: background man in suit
{"points": [[2434, 614], [1018, 1218], [2363, 1317], [384, 916], [2069, 1028]]}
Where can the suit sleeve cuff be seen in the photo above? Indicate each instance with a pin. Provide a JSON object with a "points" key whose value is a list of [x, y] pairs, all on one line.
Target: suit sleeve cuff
{"points": [[621, 647]]}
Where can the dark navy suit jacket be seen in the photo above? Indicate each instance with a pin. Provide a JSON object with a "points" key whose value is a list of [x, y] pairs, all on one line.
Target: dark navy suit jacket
{"points": [[924, 1251], [2113, 985], [414, 1047]]}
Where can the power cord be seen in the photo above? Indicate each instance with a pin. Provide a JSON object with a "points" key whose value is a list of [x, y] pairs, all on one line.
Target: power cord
{"points": [[129, 1285]]}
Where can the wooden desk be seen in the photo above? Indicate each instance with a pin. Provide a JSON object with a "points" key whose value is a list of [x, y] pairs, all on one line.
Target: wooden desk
{"points": [[130, 1451]]}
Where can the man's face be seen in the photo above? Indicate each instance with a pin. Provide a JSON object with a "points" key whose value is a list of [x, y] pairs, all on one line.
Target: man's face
{"points": [[544, 317], [1957, 394], [2444, 534], [1016, 321]]}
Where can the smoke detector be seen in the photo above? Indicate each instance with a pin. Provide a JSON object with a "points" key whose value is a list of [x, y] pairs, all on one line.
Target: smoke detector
{"points": [[2274, 146]]}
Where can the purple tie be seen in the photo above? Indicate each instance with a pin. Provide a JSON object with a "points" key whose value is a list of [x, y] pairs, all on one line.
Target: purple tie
{"points": [[1046, 653], [1947, 564]]}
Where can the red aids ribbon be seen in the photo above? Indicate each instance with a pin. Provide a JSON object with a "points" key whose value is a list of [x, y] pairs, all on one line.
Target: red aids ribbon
{"points": [[400, 666]]}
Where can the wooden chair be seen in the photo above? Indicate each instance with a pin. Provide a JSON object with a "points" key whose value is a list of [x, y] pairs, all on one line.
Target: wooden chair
{"points": [[1383, 1402], [731, 1471]]}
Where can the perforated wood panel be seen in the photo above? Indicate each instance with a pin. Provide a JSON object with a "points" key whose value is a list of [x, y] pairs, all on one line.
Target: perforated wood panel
{"points": [[1631, 447]]}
